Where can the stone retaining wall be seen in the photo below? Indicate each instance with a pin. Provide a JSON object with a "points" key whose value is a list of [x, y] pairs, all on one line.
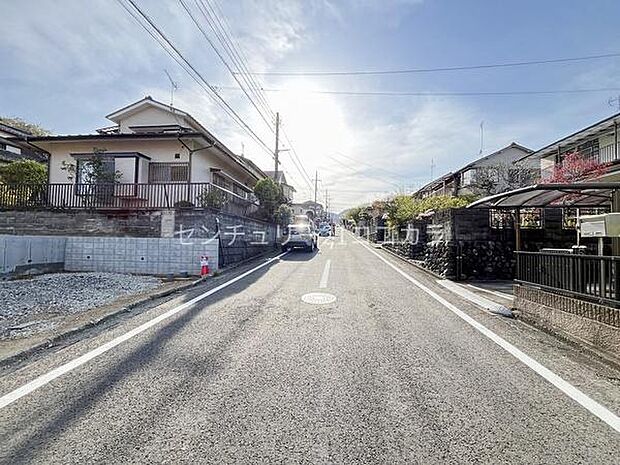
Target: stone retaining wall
{"points": [[460, 243]]}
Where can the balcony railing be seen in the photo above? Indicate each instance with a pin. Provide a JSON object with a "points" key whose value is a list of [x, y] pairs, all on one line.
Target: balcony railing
{"points": [[609, 153], [589, 277], [121, 196]]}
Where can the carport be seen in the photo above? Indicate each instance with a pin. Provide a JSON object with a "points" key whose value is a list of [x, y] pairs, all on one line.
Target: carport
{"points": [[574, 195], [588, 277]]}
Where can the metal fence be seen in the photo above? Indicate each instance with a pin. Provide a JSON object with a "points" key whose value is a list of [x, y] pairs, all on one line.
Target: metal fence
{"points": [[121, 196], [591, 277]]}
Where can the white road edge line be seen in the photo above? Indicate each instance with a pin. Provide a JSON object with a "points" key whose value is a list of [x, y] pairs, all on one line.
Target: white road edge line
{"points": [[571, 391], [325, 275], [69, 366], [477, 299], [489, 291]]}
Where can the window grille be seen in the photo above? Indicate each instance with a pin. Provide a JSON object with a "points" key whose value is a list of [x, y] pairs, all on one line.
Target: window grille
{"points": [[168, 172]]}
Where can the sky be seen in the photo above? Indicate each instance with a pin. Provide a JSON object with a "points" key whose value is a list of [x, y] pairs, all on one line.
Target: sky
{"points": [[65, 64]]}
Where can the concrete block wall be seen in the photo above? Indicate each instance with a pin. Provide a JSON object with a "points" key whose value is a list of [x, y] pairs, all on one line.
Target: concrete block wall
{"points": [[575, 319], [139, 255], [198, 225], [23, 255]]}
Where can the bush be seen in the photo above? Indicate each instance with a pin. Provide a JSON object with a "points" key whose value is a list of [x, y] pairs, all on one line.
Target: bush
{"points": [[270, 197], [212, 199], [283, 215], [24, 172]]}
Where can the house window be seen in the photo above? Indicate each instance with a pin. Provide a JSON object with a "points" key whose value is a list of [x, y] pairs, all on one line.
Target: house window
{"points": [[501, 219], [531, 218], [569, 215], [85, 171], [229, 185], [468, 177], [168, 172]]}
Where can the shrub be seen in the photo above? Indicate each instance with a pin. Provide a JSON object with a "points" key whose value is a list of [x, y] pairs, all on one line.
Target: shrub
{"points": [[212, 199], [24, 172]]}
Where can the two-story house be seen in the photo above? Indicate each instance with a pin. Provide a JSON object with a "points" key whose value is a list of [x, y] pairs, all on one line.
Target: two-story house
{"points": [[599, 141], [309, 207], [499, 170], [153, 156], [287, 190]]}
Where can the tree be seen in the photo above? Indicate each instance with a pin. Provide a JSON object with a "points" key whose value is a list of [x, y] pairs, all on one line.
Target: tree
{"points": [[404, 208], [95, 170], [24, 172], [283, 215], [576, 167], [270, 196], [25, 181], [31, 128], [353, 214], [490, 180], [401, 209]]}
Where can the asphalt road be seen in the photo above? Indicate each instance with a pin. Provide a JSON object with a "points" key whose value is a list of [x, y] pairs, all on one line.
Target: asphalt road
{"points": [[385, 374]]}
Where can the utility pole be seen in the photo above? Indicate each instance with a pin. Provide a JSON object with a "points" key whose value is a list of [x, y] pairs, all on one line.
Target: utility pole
{"points": [[277, 151], [316, 182], [326, 203]]}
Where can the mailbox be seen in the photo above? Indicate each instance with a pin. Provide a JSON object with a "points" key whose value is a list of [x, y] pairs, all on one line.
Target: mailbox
{"points": [[607, 225]]}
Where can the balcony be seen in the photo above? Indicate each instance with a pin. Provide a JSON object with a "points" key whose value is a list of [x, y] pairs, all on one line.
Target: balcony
{"points": [[124, 196], [609, 153]]}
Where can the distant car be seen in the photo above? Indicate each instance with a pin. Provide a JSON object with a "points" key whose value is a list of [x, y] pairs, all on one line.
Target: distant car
{"points": [[300, 236], [301, 219], [325, 230]]}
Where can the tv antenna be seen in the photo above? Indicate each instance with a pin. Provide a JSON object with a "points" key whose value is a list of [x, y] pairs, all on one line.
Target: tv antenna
{"points": [[173, 87], [614, 102]]}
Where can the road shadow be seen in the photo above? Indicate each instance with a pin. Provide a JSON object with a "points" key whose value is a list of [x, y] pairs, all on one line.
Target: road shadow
{"points": [[61, 416], [299, 256]]}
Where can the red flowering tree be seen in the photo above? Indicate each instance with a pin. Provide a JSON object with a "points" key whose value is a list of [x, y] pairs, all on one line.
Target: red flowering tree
{"points": [[576, 167]]}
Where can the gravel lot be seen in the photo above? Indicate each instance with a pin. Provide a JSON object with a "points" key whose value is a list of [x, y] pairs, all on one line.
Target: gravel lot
{"points": [[27, 305]]}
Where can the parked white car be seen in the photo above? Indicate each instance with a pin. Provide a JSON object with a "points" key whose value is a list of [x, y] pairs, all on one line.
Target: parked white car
{"points": [[300, 236]]}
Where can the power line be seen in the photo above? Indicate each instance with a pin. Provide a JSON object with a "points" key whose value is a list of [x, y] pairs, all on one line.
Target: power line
{"points": [[157, 34], [238, 52], [448, 94], [389, 173], [365, 175], [219, 25], [221, 57], [440, 69]]}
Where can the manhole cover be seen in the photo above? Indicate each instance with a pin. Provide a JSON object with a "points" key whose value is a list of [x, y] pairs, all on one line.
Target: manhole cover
{"points": [[318, 298]]}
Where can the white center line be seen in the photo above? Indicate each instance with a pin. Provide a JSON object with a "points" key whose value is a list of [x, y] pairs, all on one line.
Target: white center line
{"points": [[88, 356], [331, 244], [571, 391], [325, 275]]}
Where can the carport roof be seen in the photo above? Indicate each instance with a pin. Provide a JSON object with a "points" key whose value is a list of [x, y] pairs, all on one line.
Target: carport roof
{"points": [[586, 194]]}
